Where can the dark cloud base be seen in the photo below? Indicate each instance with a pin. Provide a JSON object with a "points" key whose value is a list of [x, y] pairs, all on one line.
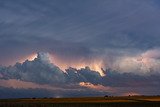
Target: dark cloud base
{"points": [[24, 93]]}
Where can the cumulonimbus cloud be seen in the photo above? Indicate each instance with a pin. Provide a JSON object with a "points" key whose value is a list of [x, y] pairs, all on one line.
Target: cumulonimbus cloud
{"points": [[40, 73]]}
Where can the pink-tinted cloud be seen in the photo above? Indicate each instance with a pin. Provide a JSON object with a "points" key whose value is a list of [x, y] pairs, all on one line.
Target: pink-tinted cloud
{"points": [[96, 87], [17, 84]]}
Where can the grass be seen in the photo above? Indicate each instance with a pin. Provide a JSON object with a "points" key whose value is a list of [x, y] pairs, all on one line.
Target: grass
{"points": [[130, 101]]}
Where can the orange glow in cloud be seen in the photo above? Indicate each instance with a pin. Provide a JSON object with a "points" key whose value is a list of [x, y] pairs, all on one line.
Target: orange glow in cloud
{"points": [[29, 57], [96, 87], [32, 57], [95, 65]]}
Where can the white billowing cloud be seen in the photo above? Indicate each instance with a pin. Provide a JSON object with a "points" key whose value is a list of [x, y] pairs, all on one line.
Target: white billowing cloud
{"points": [[146, 62], [127, 64], [44, 57], [151, 59], [154, 53]]}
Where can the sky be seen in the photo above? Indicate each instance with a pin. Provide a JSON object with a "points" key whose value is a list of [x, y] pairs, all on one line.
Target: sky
{"points": [[121, 35]]}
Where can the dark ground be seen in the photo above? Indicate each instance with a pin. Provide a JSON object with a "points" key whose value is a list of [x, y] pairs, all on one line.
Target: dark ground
{"points": [[130, 101]]}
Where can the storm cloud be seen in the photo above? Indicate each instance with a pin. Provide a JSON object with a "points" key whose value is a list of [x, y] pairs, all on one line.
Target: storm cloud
{"points": [[41, 74], [106, 43]]}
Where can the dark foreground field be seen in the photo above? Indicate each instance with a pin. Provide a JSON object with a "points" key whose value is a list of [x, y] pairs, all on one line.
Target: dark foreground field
{"points": [[134, 101]]}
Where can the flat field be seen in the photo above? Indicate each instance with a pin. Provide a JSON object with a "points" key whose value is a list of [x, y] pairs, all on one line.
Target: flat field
{"points": [[130, 101]]}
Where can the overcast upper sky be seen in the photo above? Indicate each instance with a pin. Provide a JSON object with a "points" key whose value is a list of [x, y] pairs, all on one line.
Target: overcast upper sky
{"points": [[75, 29]]}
